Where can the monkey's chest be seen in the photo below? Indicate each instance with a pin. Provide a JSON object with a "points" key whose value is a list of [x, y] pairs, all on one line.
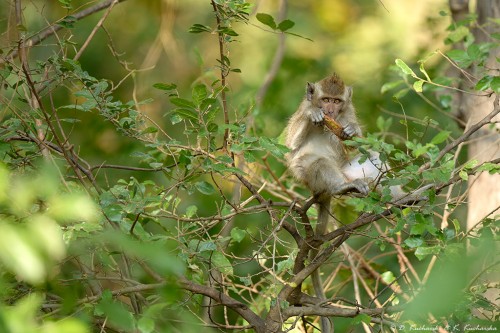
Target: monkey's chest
{"points": [[326, 146]]}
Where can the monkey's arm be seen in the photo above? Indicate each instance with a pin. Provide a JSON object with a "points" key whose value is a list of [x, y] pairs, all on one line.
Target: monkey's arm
{"points": [[299, 127], [316, 115], [350, 130]]}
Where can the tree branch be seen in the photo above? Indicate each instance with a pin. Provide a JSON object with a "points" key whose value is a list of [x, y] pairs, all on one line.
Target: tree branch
{"points": [[52, 29], [474, 128], [242, 309]]}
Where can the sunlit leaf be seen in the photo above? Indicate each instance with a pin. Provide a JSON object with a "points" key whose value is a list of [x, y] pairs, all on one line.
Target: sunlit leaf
{"points": [[388, 277], [495, 84], [405, 68], [440, 137], [423, 252], [417, 85]]}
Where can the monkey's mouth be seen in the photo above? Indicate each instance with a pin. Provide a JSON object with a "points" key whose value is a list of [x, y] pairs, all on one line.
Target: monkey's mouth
{"points": [[331, 115]]}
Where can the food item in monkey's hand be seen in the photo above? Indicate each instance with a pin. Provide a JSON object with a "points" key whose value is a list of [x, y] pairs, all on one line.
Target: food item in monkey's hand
{"points": [[334, 127]]}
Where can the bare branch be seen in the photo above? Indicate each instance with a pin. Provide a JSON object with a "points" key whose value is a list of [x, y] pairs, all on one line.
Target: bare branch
{"points": [[223, 299]]}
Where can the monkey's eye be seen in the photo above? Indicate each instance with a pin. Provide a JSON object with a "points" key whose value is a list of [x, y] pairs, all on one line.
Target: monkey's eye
{"points": [[337, 101], [326, 99]]}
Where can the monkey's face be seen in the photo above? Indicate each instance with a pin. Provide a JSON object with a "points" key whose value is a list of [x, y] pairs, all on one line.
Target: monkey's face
{"points": [[331, 106]]}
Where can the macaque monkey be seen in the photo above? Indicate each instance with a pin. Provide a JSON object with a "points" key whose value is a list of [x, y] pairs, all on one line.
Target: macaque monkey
{"points": [[318, 157]]}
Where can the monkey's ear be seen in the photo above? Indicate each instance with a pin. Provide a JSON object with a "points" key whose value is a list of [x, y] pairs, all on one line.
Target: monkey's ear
{"points": [[309, 91], [348, 92]]}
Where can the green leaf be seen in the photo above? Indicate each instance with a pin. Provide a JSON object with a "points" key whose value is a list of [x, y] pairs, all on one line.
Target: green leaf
{"points": [[417, 85], [445, 101], [388, 277], [285, 265], [197, 28], [175, 119], [183, 103], [413, 242], [423, 71], [286, 25], [149, 130], [205, 188], [474, 52], [418, 229], [390, 85], [405, 68], [274, 148], [186, 114], [266, 19], [199, 93], [221, 263], [207, 246], [165, 86], [146, 325], [228, 31], [495, 84], [423, 252], [247, 281], [238, 234], [464, 175], [484, 83], [361, 318], [67, 22], [191, 211], [458, 34], [400, 94], [460, 57], [66, 4], [225, 159], [115, 312], [440, 137]]}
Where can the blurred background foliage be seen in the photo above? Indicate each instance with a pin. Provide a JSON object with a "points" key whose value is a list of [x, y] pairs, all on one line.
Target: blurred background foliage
{"points": [[357, 39]]}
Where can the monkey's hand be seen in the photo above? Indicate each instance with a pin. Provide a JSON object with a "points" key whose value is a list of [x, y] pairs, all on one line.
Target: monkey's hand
{"points": [[348, 132], [317, 116], [360, 185]]}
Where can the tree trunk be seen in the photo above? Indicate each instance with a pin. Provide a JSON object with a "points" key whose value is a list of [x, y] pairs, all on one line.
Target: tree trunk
{"points": [[484, 189], [484, 146]]}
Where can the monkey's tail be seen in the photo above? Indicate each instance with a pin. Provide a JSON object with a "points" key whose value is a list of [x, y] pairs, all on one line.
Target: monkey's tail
{"points": [[413, 197], [321, 227]]}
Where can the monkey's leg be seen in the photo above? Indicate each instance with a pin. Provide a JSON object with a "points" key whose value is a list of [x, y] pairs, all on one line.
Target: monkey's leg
{"points": [[324, 176], [374, 168]]}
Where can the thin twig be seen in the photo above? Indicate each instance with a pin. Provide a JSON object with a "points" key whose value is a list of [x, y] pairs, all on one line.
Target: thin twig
{"points": [[223, 73], [94, 31], [52, 29]]}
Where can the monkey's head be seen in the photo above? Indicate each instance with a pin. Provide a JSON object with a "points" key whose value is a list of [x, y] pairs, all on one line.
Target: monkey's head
{"points": [[331, 95]]}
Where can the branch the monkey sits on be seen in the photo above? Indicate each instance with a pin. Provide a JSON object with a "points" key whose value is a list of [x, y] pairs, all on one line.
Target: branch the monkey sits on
{"points": [[318, 157]]}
